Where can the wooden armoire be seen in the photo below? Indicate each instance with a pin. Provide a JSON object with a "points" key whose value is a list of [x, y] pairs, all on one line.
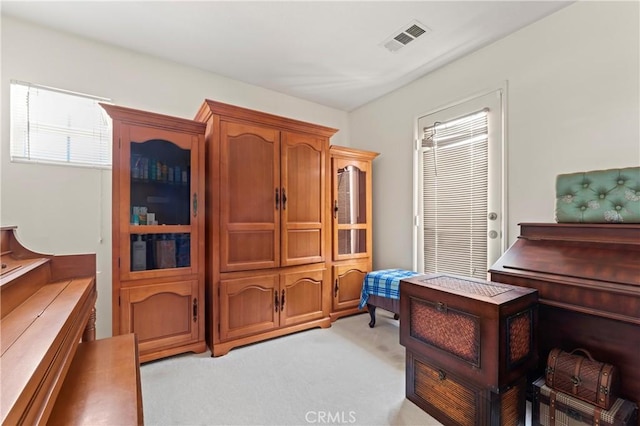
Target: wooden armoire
{"points": [[267, 226]]}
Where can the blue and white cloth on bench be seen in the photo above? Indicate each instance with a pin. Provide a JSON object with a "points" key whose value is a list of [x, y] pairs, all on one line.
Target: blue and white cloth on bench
{"points": [[384, 283]]}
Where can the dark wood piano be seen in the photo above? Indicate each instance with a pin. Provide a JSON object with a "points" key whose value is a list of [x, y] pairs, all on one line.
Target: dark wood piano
{"points": [[588, 280], [52, 369]]}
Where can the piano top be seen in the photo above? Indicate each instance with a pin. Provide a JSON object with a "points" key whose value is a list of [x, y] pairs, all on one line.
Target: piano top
{"points": [[46, 302], [593, 253]]}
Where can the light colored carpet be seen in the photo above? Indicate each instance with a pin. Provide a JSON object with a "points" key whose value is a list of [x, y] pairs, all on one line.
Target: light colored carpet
{"points": [[346, 374]]}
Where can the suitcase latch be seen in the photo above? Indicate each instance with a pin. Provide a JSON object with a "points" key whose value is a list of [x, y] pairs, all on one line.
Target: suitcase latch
{"points": [[577, 381], [574, 414]]}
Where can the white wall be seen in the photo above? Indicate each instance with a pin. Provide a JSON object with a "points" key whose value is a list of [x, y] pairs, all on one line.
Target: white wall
{"points": [[572, 105], [68, 210]]}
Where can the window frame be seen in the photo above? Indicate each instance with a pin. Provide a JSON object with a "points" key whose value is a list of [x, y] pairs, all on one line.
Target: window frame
{"points": [[23, 150]]}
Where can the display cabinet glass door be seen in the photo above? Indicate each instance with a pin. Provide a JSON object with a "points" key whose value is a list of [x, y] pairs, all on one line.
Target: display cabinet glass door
{"points": [[162, 205], [350, 209]]}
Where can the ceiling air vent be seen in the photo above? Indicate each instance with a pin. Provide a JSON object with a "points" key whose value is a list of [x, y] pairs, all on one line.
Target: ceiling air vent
{"points": [[404, 36]]}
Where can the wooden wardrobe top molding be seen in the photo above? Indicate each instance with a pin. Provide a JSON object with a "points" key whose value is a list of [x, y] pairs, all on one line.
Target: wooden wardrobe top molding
{"points": [[210, 107], [355, 153], [138, 117]]}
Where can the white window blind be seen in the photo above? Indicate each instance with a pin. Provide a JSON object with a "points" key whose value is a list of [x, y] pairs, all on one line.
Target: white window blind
{"points": [[57, 126], [455, 170]]}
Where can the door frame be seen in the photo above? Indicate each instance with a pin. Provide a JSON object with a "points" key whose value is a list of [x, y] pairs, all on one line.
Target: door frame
{"points": [[500, 155]]}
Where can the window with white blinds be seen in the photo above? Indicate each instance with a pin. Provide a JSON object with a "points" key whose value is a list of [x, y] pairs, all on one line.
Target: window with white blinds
{"points": [[57, 126], [454, 185]]}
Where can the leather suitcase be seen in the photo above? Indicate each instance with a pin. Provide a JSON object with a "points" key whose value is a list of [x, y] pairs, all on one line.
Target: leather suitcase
{"points": [[582, 377], [554, 408]]}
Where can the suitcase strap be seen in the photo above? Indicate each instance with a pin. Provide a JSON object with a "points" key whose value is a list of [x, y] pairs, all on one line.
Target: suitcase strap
{"points": [[552, 408], [597, 413], [575, 379], [603, 389]]}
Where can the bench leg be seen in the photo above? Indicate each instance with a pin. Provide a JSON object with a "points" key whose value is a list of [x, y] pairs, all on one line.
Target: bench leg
{"points": [[372, 314]]}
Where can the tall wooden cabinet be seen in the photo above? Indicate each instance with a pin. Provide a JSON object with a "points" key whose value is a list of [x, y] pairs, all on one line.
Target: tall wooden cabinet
{"points": [[351, 237], [266, 226], [158, 231]]}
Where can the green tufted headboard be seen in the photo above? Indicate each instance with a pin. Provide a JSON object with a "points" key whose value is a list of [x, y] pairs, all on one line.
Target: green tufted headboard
{"points": [[599, 196]]}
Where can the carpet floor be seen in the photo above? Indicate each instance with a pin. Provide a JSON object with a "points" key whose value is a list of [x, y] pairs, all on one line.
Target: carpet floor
{"points": [[347, 374]]}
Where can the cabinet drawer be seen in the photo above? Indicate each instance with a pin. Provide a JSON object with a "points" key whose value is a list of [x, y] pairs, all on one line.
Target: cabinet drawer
{"points": [[454, 400]]}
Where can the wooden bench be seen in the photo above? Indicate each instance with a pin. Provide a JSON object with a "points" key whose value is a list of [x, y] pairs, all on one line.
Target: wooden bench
{"points": [[47, 374]]}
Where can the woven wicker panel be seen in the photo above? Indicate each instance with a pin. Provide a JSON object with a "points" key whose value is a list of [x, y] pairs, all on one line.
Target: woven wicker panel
{"points": [[510, 407], [519, 329], [453, 331], [469, 287], [446, 395]]}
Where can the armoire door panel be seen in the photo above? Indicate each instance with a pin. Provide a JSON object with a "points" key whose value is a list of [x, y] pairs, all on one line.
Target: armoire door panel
{"points": [[248, 305], [302, 174], [302, 166], [249, 196], [352, 208], [161, 315], [301, 295], [303, 246], [250, 248], [347, 284], [251, 171]]}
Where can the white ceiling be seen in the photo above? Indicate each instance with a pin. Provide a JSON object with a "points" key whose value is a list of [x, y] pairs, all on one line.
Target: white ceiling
{"points": [[328, 52]]}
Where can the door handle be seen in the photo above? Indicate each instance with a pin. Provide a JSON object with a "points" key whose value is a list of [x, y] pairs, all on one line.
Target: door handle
{"points": [[284, 199], [277, 199], [195, 204], [195, 309]]}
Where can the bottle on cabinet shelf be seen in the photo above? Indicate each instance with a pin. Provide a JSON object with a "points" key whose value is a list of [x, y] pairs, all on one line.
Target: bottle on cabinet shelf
{"points": [[139, 254]]}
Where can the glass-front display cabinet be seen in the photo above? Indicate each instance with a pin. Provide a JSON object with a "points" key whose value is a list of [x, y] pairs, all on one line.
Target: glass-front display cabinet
{"points": [[352, 226], [158, 231], [350, 210]]}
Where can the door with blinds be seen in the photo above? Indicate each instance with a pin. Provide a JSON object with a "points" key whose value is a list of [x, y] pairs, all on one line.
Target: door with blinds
{"points": [[460, 217]]}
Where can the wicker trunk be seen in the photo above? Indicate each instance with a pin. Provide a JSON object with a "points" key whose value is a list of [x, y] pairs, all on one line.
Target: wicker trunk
{"points": [[470, 344]]}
